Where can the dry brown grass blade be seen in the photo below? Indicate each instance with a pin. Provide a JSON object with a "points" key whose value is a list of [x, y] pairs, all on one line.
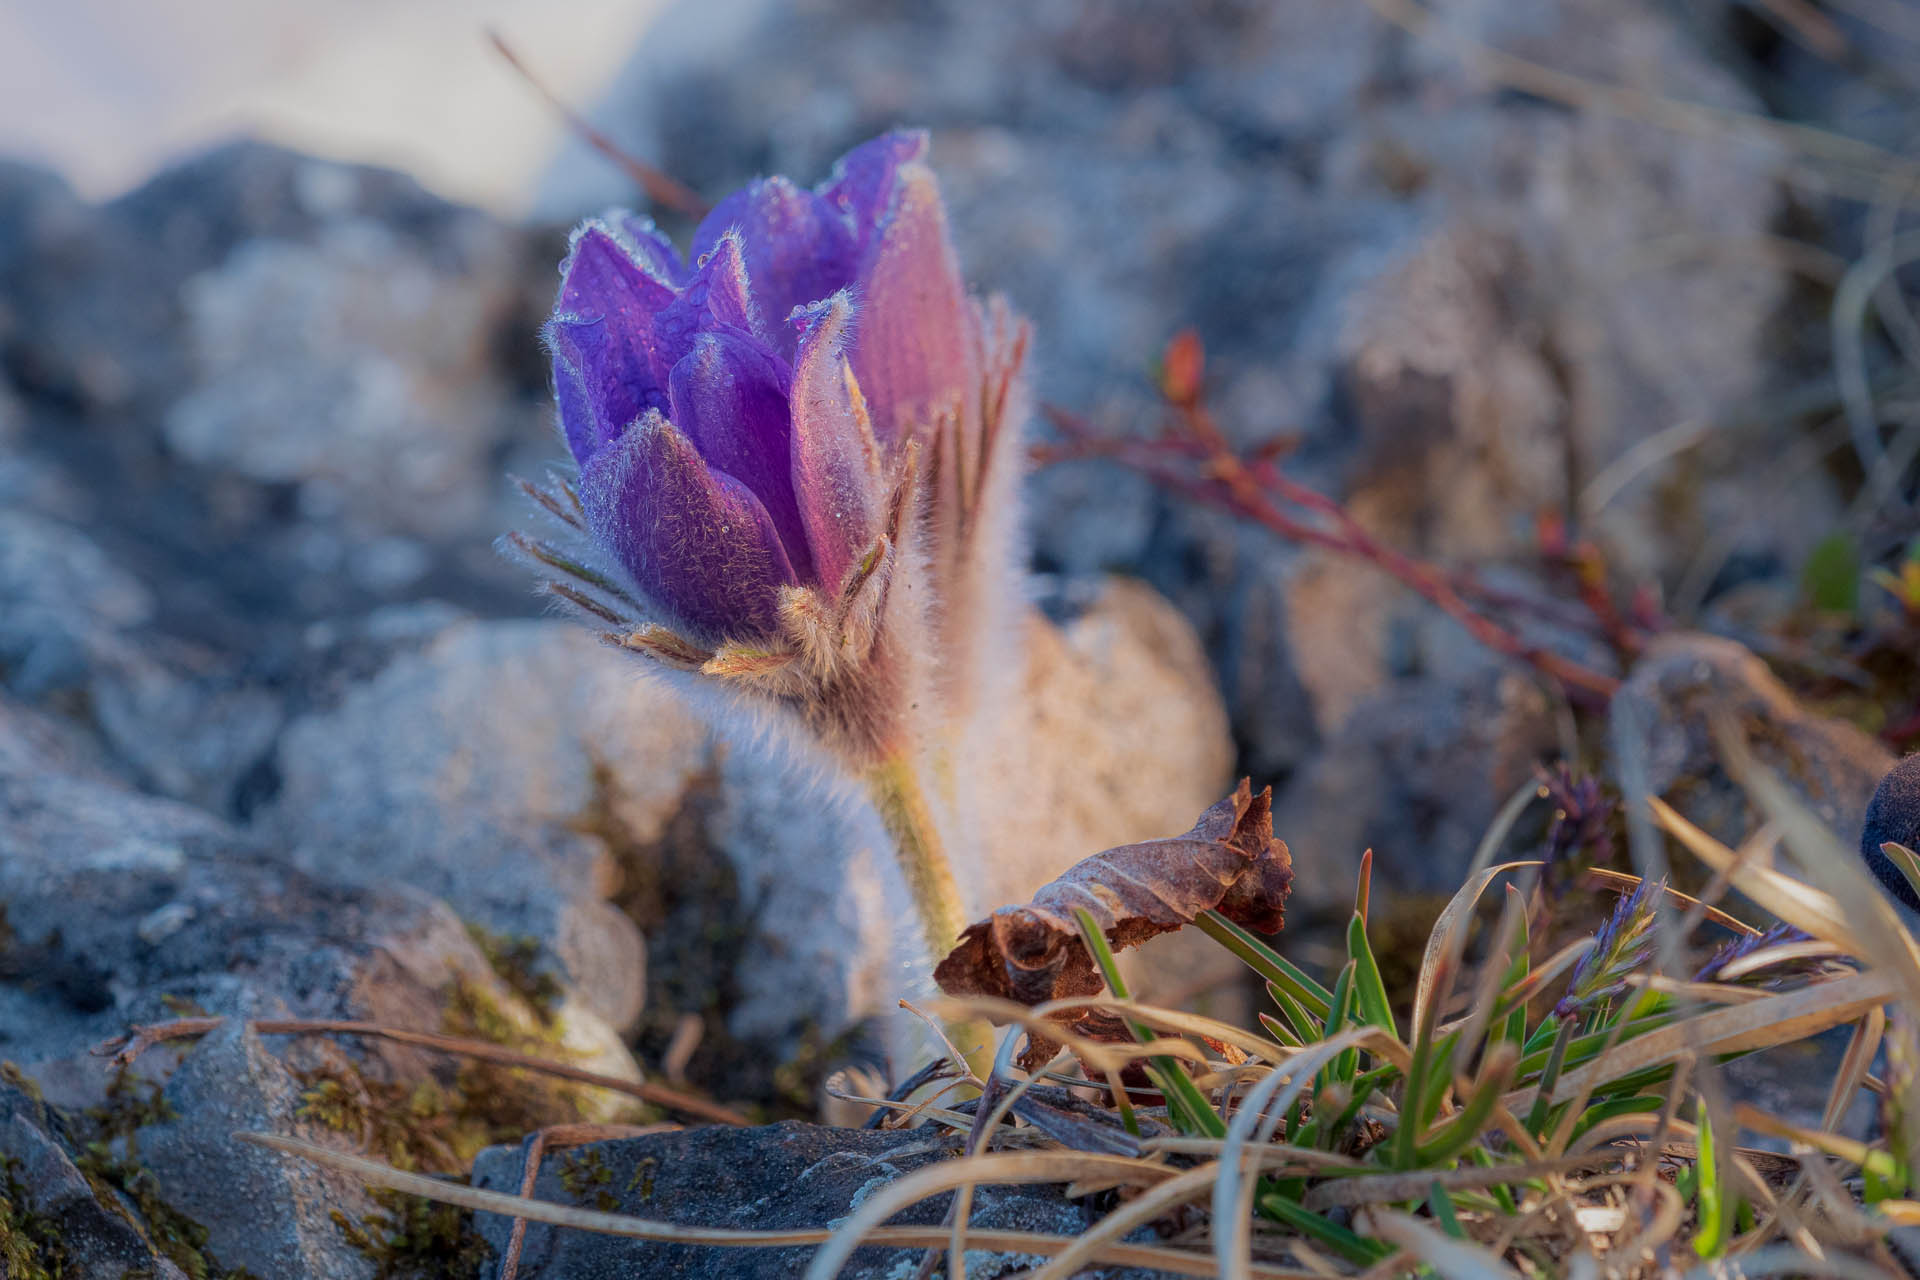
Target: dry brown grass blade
{"points": [[985, 1121], [1262, 1109], [1450, 1258], [147, 1036], [373, 1173], [1138, 1212], [1687, 900], [1277, 1154], [1703, 992], [1830, 865], [1383, 1188], [1854, 1066], [1794, 1015], [1800, 905], [1035, 1018]]}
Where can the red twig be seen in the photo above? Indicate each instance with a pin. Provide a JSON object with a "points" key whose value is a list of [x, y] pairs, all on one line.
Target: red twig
{"points": [[1195, 460], [559, 1137], [661, 187]]}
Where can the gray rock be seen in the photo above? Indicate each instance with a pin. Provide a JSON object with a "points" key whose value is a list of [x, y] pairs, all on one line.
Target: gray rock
{"points": [[1665, 713], [1416, 775], [781, 1176], [95, 292], [487, 768], [359, 369], [76, 632]]}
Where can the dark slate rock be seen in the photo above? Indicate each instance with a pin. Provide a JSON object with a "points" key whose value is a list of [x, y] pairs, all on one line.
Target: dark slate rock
{"points": [[779, 1176], [71, 1231]]}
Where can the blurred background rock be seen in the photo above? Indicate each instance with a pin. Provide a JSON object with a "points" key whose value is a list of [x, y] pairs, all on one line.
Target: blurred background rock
{"points": [[270, 282]]}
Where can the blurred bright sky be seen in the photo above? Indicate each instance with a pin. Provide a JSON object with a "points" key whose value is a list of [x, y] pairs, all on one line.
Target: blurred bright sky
{"points": [[107, 91]]}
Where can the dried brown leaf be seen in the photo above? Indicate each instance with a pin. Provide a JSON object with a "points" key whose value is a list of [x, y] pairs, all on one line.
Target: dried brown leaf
{"points": [[1230, 862]]}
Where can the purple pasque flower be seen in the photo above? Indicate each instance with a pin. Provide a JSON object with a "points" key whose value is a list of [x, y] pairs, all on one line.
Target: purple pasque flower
{"points": [[786, 441]]}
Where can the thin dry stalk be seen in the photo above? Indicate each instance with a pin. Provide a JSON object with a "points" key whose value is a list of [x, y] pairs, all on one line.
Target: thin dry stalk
{"points": [[125, 1049]]}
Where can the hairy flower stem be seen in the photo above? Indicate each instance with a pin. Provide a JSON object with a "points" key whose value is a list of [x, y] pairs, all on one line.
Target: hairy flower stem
{"points": [[897, 795], [895, 788]]}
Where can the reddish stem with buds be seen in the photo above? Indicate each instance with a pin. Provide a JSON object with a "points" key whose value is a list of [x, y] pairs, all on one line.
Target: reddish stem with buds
{"points": [[1194, 459]]}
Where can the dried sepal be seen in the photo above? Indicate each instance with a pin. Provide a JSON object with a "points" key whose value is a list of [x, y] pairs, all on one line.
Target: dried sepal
{"points": [[557, 498], [774, 672], [585, 603], [549, 556], [663, 646]]}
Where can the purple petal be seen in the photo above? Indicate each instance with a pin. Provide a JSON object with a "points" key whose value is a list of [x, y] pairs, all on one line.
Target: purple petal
{"points": [[797, 250], [647, 246], [835, 474], [730, 400], [579, 420], [717, 298], [602, 337], [862, 180], [918, 350], [699, 546]]}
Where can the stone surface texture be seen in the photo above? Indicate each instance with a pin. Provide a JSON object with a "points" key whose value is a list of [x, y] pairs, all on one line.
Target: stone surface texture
{"points": [[783, 1176], [282, 735]]}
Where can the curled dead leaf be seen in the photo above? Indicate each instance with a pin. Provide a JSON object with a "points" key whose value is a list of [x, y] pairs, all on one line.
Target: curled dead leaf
{"points": [[1230, 862]]}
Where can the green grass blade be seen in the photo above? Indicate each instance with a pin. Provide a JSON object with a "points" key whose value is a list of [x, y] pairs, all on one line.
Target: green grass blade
{"points": [[1187, 1106], [1280, 1031], [1266, 962], [1369, 989], [1344, 1066], [1355, 1249], [1305, 1026], [1549, 1076], [1502, 1195], [1711, 1220], [1465, 1129], [1442, 1207]]}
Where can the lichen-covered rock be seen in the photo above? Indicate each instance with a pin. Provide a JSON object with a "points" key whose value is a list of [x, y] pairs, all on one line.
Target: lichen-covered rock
{"points": [[781, 1176], [51, 1216], [122, 908]]}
